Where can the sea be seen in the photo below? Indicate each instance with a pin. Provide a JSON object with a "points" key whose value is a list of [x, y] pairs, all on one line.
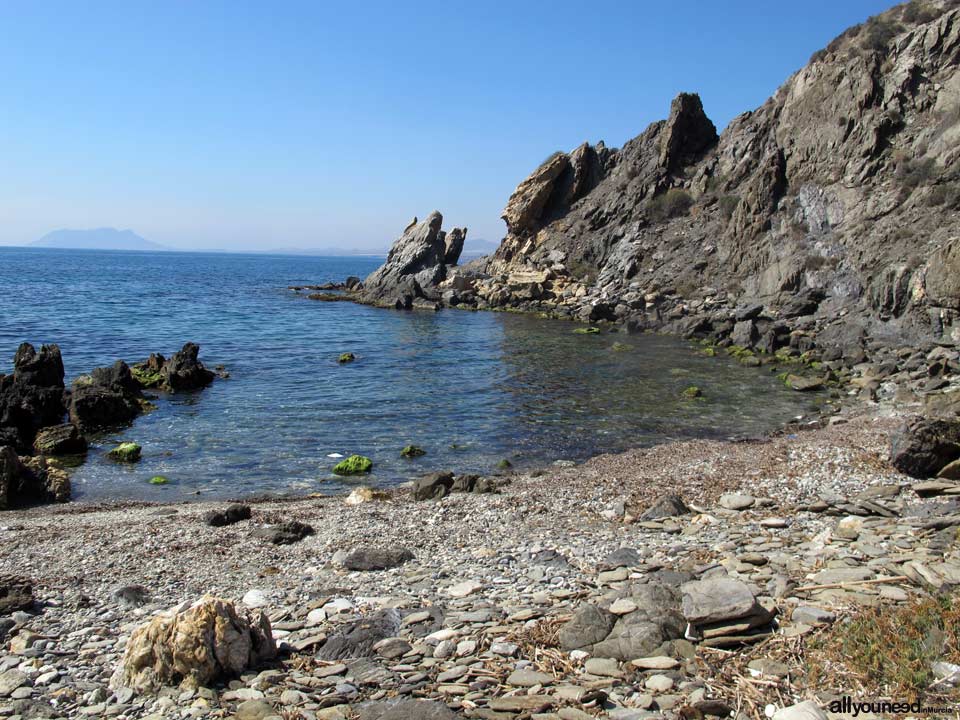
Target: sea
{"points": [[472, 389]]}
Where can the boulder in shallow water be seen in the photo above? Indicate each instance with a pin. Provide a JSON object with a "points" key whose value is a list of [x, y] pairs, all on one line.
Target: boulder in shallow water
{"points": [[107, 397], [183, 371], [32, 397], [127, 452], [353, 465], [210, 641], [60, 440]]}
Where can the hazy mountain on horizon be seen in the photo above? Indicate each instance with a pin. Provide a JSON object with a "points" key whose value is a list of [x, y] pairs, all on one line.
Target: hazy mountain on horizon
{"points": [[97, 239]]}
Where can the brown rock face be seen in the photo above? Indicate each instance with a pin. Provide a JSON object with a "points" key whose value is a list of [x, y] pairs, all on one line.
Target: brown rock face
{"points": [[840, 193], [31, 482], [210, 641]]}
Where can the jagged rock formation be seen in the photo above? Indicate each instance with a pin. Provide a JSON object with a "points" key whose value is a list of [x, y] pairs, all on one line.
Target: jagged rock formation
{"points": [[416, 265], [182, 371], [212, 640], [825, 218], [32, 397]]}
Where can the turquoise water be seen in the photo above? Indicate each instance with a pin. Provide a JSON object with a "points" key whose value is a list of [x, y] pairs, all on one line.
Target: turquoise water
{"points": [[470, 388]]}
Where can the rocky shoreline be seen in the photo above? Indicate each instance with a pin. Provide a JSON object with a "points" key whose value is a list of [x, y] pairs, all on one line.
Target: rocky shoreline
{"points": [[691, 579]]}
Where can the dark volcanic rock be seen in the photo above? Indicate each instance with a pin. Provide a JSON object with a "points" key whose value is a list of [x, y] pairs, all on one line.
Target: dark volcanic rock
{"points": [[921, 447], [285, 533], [107, 397], [232, 514], [60, 440], [434, 485], [32, 397], [375, 558], [184, 371], [357, 639]]}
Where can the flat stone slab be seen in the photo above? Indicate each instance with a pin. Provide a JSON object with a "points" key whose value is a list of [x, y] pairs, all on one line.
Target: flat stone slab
{"points": [[716, 599]]}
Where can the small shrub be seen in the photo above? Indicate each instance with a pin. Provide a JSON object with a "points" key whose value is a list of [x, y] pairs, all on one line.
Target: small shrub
{"points": [[892, 648], [947, 194], [818, 56], [673, 203], [916, 172], [728, 203], [878, 34], [819, 262]]}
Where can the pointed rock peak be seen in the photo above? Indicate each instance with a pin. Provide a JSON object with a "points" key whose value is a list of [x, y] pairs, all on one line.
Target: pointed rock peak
{"points": [[688, 132]]}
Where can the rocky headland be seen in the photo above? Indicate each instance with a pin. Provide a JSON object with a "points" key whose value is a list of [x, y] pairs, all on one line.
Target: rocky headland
{"points": [[821, 225]]}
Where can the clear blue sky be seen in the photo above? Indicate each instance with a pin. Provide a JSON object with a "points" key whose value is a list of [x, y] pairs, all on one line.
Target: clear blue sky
{"points": [[247, 125]]}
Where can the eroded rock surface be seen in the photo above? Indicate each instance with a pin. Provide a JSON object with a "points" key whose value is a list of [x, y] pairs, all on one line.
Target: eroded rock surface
{"points": [[209, 641]]}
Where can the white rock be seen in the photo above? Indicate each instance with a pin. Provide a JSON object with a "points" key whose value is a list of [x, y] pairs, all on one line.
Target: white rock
{"points": [[316, 616], [657, 662], [623, 606], [467, 587], [255, 599], [658, 683]]}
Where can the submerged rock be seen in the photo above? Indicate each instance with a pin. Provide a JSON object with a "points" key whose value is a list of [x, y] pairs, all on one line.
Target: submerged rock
{"points": [[128, 452], [207, 642], [346, 357], [412, 451]]}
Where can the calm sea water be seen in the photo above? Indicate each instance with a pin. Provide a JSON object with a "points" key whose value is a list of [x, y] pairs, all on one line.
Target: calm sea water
{"points": [[470, 388]]}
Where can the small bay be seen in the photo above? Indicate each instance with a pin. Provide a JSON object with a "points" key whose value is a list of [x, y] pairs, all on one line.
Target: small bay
{"points": [[470, 388]]}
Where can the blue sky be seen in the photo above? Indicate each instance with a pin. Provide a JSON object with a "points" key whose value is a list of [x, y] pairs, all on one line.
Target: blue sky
{"points": [[249, 125]]}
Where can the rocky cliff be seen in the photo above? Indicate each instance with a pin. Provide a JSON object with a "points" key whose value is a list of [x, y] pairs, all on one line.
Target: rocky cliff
{"points": [[827, 217]]}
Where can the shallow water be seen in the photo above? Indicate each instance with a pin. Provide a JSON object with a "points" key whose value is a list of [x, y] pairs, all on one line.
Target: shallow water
{"points": [[470, 388]]}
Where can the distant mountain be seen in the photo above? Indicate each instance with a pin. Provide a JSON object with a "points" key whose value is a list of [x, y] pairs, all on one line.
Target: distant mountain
{"points": [[98, 239], [475, 248]]}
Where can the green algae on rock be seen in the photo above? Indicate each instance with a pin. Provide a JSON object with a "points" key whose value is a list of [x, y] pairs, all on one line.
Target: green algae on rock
{"points": [[586, 330], [693, 392], [159, 480], [128, 452], [353, 465], [412, 451], [346, 357]]}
